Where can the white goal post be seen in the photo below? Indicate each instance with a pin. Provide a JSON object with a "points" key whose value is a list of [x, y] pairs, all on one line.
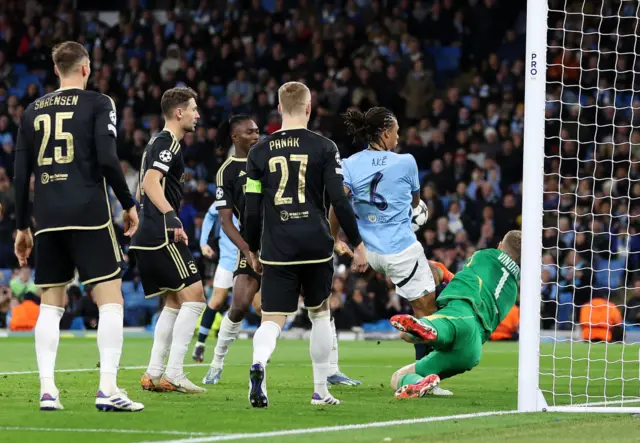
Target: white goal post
{"points": [[559, 371]]}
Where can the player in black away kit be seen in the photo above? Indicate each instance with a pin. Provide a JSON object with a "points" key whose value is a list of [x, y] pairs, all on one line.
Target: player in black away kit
{"points": [[67, 139], [288, 173], [166, 265], [241, 132]]}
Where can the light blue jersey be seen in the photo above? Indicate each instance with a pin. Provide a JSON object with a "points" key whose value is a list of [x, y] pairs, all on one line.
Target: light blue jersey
{"points": [[228, 251], [381, 185]]}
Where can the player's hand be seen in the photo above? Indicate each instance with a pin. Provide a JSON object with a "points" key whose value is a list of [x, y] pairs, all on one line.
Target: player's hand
{"points": [[180, 235], [254, 262], [131, 221], [174, 226], [207, 251], [359, 263], [342, 248], [23, 246]]}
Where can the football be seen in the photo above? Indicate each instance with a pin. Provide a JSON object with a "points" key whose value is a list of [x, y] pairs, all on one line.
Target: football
{"points": [[420, 216]]}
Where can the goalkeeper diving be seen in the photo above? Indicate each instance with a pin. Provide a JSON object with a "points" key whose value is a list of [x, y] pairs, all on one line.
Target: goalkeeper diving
{"points": [[470, 308]]}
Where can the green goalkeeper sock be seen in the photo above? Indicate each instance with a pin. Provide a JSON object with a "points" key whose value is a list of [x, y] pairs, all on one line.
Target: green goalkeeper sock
{"points": [[410, 379]]}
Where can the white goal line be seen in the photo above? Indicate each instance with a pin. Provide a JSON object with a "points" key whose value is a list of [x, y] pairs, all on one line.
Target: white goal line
{"points": [[108, 430], [195, 365], [372, 425]]}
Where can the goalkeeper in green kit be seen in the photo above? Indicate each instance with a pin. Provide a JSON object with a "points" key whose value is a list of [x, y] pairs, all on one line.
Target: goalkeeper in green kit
{"points": [[469, 309]]}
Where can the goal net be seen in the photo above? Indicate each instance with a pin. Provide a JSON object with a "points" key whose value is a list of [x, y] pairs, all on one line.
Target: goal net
{"points": [[580, 288]]}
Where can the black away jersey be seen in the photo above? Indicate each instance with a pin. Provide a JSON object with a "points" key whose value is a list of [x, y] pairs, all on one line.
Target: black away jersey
{"points": [[163, 154], [294, 168], [231, 182], [59, 131]]}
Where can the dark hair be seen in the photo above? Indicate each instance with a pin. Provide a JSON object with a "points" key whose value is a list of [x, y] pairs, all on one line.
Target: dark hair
{"points": [[223, 136], [67, 55], [369, 126], [175, 97]]}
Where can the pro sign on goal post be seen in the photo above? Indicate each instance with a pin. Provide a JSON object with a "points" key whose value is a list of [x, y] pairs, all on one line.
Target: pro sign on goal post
{"points": [[581, 208]]}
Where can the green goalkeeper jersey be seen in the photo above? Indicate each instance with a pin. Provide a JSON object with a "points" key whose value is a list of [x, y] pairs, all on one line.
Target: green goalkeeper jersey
{"points": [[489, 282]]}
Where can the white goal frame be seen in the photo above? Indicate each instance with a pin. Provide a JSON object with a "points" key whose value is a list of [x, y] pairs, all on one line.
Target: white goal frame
{"points": [[530, 395]]}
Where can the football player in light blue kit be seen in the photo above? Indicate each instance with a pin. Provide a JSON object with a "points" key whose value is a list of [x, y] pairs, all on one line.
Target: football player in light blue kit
{"points": [[384, 188], [223, 278]]}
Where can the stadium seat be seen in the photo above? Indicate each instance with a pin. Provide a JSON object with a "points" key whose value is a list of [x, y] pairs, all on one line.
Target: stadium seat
{"points": [[18, 92], [217, 91], [128, 288], [608, 273], [19, 69], [379, 326], [5, 276], [446, 201], [247, 327], [77, 324], [28, 79], [448, 59]]}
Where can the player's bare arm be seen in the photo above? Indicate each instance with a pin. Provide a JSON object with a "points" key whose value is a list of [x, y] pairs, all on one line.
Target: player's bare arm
{"points": [[341, 206], [415, 200], [226, 223], [339, 246], [152, 187]]}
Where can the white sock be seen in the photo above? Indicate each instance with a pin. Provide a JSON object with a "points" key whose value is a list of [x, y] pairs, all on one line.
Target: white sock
{"points": [[110, 339], [182, 333], [162, 341], [264, 342], [47, 335], [320, 349], [228, 333], [333, 357]]}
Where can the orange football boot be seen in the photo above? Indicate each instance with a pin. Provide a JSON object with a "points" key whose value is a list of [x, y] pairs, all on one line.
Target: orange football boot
{"points": [[410, 324], [422, 388], [150, 383]]}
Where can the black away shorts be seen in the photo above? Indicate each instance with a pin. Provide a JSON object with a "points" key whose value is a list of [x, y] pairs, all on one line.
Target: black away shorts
{"points": [[283, 284], [95, 253], [169, 268], [244, 268]]}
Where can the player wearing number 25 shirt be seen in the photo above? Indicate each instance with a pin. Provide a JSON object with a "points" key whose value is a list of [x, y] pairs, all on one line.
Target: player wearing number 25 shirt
{"points": [[67, 140]]}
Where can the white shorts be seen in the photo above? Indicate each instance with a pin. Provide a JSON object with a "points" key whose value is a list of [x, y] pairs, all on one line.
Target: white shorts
{"points": [[223, 278], [409, 270]]}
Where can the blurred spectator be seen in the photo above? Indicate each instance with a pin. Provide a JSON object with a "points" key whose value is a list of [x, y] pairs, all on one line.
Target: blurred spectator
{"points": [[601, 321], [508, 327], [5, 304], [22, 283], [25, 315], [452, 72]]}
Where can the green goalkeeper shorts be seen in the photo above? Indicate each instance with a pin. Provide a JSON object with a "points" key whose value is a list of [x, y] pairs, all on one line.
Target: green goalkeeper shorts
{"points": [[458, 347]]}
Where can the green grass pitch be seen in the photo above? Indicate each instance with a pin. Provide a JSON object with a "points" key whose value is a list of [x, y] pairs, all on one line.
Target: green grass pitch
{"points": [[224, 412]]}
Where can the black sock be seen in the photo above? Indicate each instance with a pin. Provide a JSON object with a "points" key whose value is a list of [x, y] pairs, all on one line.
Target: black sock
{"points": [[205, 325], [422, 351]]}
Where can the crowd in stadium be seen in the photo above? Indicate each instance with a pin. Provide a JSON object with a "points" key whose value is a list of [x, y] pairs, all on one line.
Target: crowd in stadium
{"points": [[452, 71]]}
